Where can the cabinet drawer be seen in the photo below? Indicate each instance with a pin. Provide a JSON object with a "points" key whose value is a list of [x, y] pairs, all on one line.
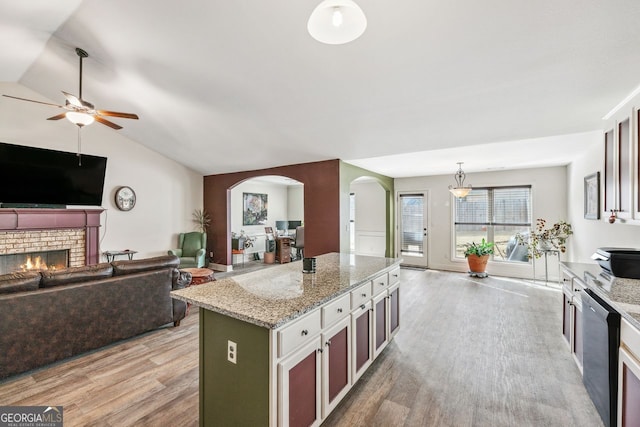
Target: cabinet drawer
{"points": [[335, 310], [360, 295], [292, 336], [394, 276], [380, 283]]}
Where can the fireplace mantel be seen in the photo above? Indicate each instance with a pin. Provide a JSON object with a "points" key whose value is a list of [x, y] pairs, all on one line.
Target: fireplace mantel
{"points": [[52, 219]]}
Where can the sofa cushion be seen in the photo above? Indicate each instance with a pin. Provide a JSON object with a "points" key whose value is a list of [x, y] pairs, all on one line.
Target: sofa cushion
{"points": [[51, 278], [123, 267], [19, 282]]}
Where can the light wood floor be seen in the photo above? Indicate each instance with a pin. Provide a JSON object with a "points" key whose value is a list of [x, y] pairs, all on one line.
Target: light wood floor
{"points": [[471, 352]]}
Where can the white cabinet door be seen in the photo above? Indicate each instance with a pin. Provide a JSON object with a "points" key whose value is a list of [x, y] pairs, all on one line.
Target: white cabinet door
{"points": [[299, 386], [362, 340], [394, 310], [336, 365], [380, 323]]}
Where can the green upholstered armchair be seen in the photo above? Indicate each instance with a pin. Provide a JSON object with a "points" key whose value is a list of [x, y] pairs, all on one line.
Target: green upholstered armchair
{"points": [[192, 249]]}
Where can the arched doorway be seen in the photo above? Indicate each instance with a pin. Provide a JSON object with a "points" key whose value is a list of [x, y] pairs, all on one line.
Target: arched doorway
{"points": [[256, 203], [367, 217]]}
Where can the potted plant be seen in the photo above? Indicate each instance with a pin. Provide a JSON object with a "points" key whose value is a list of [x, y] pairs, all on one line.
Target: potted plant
{"points": [[543, 239], [477, 255], [201, 219], [270, 251]]}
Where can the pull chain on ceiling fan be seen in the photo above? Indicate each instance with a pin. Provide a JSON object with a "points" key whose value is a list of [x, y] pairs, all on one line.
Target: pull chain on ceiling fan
{"points": [[81, 112]]}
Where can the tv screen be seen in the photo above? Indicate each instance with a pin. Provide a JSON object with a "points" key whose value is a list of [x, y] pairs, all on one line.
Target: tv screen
{"points": [[36, 176]]}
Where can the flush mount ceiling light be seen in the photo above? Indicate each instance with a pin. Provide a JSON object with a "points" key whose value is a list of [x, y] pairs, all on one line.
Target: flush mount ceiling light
{"points": [[460, 190], [337, 22]]}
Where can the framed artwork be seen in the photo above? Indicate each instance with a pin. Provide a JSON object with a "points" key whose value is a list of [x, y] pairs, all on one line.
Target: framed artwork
{"points": [[592, 196], [254, 209]]}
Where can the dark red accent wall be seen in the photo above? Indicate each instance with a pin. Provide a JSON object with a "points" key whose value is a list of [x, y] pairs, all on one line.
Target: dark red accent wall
{"points": [[321, 206]]}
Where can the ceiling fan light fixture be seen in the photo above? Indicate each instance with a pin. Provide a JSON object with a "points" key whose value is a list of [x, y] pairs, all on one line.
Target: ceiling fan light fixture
{"points": [[337, 22], [79, 119], [460, 190]]}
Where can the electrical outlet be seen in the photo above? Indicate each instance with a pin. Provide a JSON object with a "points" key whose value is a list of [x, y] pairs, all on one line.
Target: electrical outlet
{"points": [[232, 352]]}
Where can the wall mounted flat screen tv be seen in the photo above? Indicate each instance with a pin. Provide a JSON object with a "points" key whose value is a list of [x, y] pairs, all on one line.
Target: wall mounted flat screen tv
{"points": [[36, 177]]}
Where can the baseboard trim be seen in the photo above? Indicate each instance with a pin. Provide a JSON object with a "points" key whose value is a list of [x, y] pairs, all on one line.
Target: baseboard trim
{"points": [[220, 267]]}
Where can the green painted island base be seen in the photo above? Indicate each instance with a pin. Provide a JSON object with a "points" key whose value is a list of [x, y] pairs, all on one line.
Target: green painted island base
{"points": [[233, 394]]}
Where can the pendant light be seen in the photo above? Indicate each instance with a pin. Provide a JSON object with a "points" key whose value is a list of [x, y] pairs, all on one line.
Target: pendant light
{"points": [[336, 22], [460, 190]]}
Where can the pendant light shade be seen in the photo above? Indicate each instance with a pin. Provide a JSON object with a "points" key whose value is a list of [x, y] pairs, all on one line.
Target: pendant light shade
{"points": [[337, 22], [460, 190]]}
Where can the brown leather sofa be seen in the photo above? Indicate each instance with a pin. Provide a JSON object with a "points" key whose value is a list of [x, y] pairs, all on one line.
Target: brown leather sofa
{"points": [[52, 315]]}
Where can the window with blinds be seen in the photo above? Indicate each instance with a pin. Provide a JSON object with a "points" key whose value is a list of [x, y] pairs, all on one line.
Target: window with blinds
{"points": [[495, 214]]}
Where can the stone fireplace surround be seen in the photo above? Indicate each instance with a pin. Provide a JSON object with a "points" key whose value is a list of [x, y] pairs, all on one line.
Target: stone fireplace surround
{"points": [[33, 230]]}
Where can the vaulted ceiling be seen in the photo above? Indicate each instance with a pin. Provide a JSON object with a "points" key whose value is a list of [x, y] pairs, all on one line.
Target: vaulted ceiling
{"points": [[236, 85]]}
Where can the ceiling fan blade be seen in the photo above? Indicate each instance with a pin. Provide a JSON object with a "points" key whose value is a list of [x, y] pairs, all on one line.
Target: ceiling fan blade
{"points": [[58, 117], [107, 122], [117, 114], [74, 100], [31, 100]]}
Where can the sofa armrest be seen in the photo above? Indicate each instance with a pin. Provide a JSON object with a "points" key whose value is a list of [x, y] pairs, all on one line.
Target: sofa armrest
{"points": [[175, 252], [181, 279]]}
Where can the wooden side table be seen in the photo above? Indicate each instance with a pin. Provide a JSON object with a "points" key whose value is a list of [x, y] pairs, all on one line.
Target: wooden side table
{"points": [[111, 255], [199, 275]]}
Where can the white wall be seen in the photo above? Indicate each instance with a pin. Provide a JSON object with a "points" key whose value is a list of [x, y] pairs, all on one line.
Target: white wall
{"points": [[295, 202], [167, 192], [370, 220], [549, 201]]}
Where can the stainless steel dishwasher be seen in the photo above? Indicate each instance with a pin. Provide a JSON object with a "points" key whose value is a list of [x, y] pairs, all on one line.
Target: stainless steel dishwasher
{"points": [[601, 339]]}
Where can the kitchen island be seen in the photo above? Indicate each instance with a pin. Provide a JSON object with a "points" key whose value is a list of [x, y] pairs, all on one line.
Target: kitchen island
{"points": [[280, 347]]}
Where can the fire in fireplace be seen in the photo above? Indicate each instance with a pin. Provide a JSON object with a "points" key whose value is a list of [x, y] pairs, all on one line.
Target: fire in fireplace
{"points": [[45, 260]]}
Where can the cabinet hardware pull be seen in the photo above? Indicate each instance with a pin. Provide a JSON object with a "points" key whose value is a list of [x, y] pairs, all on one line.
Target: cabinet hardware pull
{"points": [[305, 332], [339, 310], [319, 350], [362, 306], [328, 343], [394, 275], [364, 295], [381, 283]]}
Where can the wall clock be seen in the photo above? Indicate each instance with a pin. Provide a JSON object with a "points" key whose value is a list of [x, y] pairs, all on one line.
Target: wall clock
{"points": [[125, 198]]}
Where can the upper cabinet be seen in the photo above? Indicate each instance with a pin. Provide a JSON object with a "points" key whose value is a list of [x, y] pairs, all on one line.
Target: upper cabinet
{"points": [[621, 187]]}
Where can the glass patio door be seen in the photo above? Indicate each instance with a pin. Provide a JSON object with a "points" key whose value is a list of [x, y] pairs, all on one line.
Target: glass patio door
{"points": [[412, 226]]}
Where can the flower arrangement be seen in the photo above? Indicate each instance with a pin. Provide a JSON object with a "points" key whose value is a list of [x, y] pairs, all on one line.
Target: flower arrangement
{"points": [[540, 239], [243, 240]]}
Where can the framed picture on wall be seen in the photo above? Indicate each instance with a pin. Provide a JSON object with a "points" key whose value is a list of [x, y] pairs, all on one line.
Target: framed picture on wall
{"points": [[254, 209], [592, 196]]}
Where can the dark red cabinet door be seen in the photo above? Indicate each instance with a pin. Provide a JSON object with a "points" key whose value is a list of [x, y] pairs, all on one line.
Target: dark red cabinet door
{"points": [[363, 350], [394, 310], [381, 323], [302, 392], [338, 363]]}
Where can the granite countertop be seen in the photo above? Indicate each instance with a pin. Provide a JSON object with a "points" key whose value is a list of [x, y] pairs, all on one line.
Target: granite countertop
{"points": [[622, 294], [276, 295]]}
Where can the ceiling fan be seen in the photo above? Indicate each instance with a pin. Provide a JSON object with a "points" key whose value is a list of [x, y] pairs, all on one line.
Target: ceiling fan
{"points": [[81, 112]]}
